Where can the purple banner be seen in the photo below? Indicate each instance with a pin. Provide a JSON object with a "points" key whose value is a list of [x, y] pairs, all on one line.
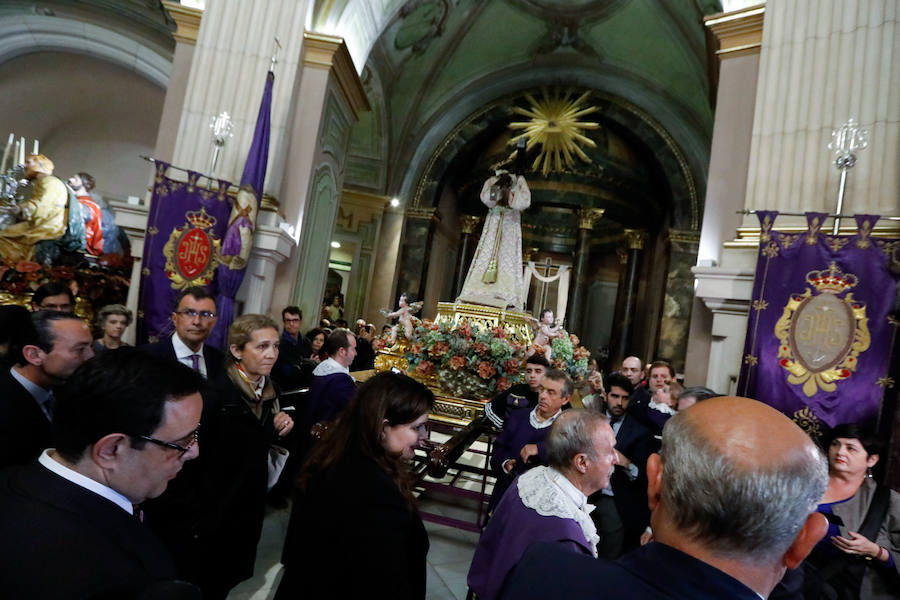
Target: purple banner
{"points": [[820, 331], [182, 247], [242, 221]]}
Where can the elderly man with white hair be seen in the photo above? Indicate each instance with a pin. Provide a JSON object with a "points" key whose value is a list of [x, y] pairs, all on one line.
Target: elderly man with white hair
{"points": [[548, 503]]}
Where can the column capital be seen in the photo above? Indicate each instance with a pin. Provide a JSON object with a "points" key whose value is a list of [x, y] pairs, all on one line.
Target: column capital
{"points": [[330, 52], [738, 32], [636, 238], [588, 216], [188, 21], [358, 207], [468, 223], [423, 213]]}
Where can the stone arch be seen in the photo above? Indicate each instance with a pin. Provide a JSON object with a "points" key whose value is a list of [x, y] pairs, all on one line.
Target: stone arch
{"points": [[24, 34]]}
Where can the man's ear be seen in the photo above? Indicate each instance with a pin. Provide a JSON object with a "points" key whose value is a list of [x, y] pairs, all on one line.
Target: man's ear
{"points": [[33, 355], [107, 450], [813, 530], [654, 480], [580, 462]]}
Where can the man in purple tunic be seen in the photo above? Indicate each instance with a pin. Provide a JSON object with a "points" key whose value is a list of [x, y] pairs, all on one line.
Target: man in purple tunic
{"points": [[332, 387], [548, 503], [520, 446]]}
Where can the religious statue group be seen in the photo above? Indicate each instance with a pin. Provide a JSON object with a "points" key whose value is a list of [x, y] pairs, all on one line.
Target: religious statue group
{"points": [[47, 218]]}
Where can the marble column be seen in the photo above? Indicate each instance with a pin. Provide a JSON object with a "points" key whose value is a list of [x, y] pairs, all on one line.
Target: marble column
{"points": [[132, 219], [382, 292], [586, 219], [467, 225], [678, 299], [623, 324], [272, 245], [823, 62], [188, 21], [415, 251]]}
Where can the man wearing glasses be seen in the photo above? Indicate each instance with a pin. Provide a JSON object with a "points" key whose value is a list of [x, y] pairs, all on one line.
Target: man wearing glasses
{"points": [[69, 526], [194, 318]]}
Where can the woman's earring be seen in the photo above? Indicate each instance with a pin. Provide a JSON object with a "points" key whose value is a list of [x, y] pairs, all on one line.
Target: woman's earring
{"points": [[869, 472]]}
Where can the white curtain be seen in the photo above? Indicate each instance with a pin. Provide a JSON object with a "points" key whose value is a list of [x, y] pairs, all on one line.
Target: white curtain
{"points": [[562, 274]]}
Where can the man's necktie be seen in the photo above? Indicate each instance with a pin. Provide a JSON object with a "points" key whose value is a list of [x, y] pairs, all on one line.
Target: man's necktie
{"points": [[195, 362]]}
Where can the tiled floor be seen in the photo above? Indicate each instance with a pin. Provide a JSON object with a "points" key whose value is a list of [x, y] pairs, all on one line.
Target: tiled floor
{"points": [[448, 558]]}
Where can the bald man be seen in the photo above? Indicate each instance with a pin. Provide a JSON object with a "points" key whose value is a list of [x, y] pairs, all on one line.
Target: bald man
{"points": [[719, 532]]}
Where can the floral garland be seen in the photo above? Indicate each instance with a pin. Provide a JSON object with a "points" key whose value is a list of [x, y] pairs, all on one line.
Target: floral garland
{"points": [[569, 356], [468, 360]]}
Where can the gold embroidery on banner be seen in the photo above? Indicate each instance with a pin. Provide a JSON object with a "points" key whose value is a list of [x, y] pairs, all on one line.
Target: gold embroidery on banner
{"points": [[812, 236], [192, 251], [885, 382], [821, 335], [771, 250], [759, 305], [808, 422], [764, 228], [749, 359], [836, 243], [865, 231], [789, 240]]}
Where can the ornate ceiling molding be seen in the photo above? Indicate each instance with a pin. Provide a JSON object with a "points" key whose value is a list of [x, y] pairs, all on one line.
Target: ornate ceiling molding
{"points": [[330, 52]]}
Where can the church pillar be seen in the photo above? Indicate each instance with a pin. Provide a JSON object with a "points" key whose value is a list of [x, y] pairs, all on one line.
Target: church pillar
{"points": [[623, 324], [271, 246], [188, 21], [586, 219], [679, 298], [415, 251], [381, 291], [132, 219], [467, 225]]}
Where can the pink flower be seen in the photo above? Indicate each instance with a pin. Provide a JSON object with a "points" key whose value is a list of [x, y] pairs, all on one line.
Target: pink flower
{"points": [[457, 362], [439, 349], [503, 384], [425, 368]]}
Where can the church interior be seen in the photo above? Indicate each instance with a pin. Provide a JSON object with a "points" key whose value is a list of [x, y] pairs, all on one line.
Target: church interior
{"points": [[654, 131]]}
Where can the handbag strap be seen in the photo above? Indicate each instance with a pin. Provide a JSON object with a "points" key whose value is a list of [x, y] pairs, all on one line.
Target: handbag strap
{"points": [[877, 510]]}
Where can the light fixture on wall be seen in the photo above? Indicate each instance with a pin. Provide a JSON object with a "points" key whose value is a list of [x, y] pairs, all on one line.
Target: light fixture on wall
{"points": [[395, 202], [335, 244]]}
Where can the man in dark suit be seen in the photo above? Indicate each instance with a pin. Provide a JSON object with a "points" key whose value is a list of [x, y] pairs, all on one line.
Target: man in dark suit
{"points": [[124, 427], [47, 353], [293, 369], [719, 530], [621, 512], [194, 318]]}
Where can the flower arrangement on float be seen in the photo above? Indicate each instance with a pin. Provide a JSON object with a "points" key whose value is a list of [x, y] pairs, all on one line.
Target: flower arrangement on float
{"points": [[569, 356], [467, 360]]}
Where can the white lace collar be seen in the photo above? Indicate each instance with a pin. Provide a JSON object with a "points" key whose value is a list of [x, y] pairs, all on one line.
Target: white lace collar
{"points": [[547, 492], [329, 367], [661, 407], [532, 418]]}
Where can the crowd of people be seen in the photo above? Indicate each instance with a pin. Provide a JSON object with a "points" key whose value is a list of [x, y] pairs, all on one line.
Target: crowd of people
{"points": [[145, 473]]}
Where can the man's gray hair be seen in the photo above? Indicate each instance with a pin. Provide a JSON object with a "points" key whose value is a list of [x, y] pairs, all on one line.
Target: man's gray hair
{"points": [[751, 514], [572, 434]]}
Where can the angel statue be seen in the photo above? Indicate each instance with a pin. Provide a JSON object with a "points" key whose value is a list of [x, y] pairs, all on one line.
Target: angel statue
{"points": [[495, 276], [403, 314], [547, 330]]}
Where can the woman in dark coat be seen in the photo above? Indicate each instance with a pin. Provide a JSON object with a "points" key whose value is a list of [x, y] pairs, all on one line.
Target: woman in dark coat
{"points": [[211, 517], [354, 529]]}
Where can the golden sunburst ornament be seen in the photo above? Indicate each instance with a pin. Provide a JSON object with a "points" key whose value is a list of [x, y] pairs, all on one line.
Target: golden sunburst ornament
{"points": [[554, 124]]}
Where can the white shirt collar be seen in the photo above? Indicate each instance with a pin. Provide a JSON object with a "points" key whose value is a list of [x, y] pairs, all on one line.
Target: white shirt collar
{"points": [[182, 350], [86, 482], [329, 367], [532, 418], [569, 489]]}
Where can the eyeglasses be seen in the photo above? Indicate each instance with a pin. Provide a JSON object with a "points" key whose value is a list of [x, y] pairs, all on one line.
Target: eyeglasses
{"points": [[193, 314], [53, 306], [183, 449]]}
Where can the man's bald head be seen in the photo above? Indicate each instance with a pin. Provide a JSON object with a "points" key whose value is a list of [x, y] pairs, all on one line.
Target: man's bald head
{"points": [[739, 478], [633, 369]]}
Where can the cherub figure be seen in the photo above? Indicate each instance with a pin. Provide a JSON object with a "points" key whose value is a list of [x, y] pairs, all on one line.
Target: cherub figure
{"points": [[547, 330], [403, 314]]}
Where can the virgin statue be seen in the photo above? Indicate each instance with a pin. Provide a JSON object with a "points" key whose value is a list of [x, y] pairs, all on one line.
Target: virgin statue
{"points": [[495, 276]]}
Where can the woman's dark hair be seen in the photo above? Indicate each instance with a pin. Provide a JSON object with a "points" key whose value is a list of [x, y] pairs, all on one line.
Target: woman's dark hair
{"points": [[855, 431], [387, 396], [311, 336]]}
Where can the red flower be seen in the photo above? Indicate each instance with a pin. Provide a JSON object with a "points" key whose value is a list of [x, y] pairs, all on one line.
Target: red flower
{"points": [[581, 352], [457, 362], [558, 363], [486, 370], [417, 349], [439, 349], [479, 348], [27, 266], [498, 332], [464, 329], [503, 384], [512, 365], [574, 339], [425, 368]]}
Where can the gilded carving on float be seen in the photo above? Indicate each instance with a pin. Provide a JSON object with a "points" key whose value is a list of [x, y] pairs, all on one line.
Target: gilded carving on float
{"points": [[553, 124]]}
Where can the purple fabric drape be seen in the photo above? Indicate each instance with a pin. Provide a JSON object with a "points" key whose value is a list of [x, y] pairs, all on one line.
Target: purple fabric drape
{"points": [[820, 331], [184, 228], [242, 221]]}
